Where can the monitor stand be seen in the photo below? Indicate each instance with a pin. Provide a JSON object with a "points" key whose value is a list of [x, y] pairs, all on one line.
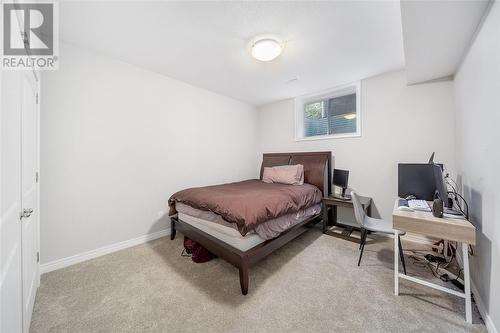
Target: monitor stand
{"points": [[343, 196]]}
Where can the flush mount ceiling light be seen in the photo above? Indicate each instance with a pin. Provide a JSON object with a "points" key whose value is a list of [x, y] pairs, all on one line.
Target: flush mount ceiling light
{"points": [[266, 48]]}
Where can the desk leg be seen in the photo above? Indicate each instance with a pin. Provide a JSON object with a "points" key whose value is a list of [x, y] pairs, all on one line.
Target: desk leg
{"points": [[333, 221], [468, 306], [396, 263], [325, 218]]}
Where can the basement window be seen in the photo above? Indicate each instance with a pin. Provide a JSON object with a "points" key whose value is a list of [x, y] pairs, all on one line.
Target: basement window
{"points": [[329, 114]]}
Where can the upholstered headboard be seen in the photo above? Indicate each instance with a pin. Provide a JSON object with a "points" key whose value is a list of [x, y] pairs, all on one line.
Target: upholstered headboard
{"points": [[317, 166]]}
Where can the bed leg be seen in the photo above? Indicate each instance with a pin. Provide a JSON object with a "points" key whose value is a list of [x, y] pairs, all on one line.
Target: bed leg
{"points": [[172, 229], [244, 278]]}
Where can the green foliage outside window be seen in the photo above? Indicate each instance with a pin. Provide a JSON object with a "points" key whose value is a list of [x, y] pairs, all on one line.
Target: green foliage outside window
{"points": [[314, 110]]}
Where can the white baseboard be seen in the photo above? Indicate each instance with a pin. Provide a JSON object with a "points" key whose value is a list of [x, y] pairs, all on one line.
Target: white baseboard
{"points": [[478, 300], [482, 309], [477, 297], [65, 262]]}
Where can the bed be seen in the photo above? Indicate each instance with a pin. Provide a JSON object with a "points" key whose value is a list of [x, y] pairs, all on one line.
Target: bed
{"points": [[244, 245]]}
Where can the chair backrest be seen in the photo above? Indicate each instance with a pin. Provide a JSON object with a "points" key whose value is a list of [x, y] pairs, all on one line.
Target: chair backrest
{"points": [[359, 212]]}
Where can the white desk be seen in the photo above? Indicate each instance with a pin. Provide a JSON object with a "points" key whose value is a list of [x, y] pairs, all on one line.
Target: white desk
{"points": [[448, 228]]}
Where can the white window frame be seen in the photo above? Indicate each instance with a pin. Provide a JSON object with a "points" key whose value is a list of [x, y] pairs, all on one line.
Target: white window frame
{"points": [[326, 94]]}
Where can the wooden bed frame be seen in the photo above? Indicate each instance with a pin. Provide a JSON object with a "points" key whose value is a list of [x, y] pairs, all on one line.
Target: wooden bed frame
{"points": [[317, 171]]}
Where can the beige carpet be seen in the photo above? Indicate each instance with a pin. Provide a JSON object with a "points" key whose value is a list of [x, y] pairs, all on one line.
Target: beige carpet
{"points": [[310, 285]]}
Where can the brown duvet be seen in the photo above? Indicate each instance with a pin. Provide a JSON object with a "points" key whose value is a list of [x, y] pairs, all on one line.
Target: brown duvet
{"points": [[250, 202]]}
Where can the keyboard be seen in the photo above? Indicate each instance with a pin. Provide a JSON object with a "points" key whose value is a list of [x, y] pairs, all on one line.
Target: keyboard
{"points": [[419, 205]]}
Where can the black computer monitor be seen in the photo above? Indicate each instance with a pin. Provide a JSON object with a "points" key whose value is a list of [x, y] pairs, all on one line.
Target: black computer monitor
{"points": [[441, 189], [340, 179], [416, 179]]}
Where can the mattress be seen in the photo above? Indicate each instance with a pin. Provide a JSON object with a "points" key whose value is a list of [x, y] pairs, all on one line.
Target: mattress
{"points": [[217, 227], [226, 234]]}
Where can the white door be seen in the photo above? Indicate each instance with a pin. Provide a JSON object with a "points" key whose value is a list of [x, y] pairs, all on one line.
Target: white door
{"points": [[19, 216], [29, 194], [19, 238], [11, 287]]}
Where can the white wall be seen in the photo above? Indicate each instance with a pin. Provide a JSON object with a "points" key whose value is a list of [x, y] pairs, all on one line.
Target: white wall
{"points": [[117, 141], [399, 124], [477, 99]]}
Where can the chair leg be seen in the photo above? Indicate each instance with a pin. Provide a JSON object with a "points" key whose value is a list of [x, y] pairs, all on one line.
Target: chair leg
{"points": [[401, 255], [363, 233], [363, 241]]}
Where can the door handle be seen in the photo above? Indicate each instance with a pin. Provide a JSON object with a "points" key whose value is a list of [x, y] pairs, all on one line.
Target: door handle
{"points": [[27, 212]]}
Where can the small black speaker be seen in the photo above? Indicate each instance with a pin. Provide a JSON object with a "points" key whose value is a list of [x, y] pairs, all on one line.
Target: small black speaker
{"points": [[437, 208]]}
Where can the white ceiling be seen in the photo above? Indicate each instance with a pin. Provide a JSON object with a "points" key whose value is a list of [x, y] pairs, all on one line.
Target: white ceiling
{"points": [[206, 43], [437, 34]]}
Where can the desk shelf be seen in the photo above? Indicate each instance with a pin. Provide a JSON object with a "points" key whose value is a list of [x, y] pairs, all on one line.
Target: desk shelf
{"points": [[330, 205]]}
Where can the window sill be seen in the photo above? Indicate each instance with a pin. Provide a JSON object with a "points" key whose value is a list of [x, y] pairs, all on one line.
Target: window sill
{"points": [[328, 137]]}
